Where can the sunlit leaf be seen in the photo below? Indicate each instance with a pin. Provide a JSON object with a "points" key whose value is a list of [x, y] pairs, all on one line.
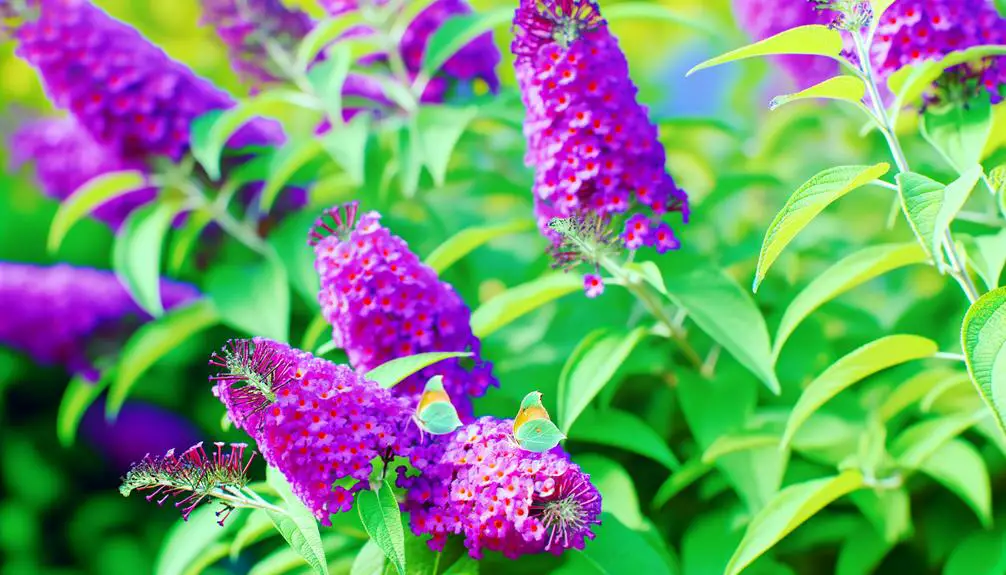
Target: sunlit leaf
{"points": [[298, 525], [187, 540], [961, 469], [519, 300], [252, 298], [468, 240], [810, 40], [623, 430], [912, 391], [324, 33], [888, 510], [916, 444], [981, 553], [930, 206], [728, 444], [78, 396], [983, 338], [588, 371], [687, 474], [806, 203], [959, 131], [258, 526], [287, 162], [383, 521], [328, 77], [790, 508], [369, 561], [862, 362], [152, 342], [89, 196], [393, 371], [843, 276], [847, 88], [187, 237], [347, 145], [136, 255], [987, 256], [648, 272], [457, 31], [440, 128]]}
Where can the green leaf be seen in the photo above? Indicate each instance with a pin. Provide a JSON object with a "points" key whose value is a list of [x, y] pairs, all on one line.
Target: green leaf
{"points": [[456, 32], [960, 468], [297, 256], [154, 340], [648, 272], [658, 13], [790, 508], [625, 431], [185, 238], [324, 33], [845, 275], [587, 372], [186, 541], [916, 444], [983, 339], [618, 493], [383, 521], [930, 206], [1000, 7], [857, 365], [136, 255], [465, 565], [806, 203], [616, 549], [847, 88], [409, 160], [912, 391], [814, 40], [888, 510], [959, 131], [440, 128], [284, 165], [733, 443], [347, 145], [726, 312], [982, 553], [987, 255], [389, 373], [689, 473], [253, 298], [369, 561], [328, 77], [88, 196], [468, 240], [519, 300], [862, 552], [298, 525], [258, 526], [78, 396]]}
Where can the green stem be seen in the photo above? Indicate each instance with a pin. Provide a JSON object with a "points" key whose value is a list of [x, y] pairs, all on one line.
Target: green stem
{"points": [[958, 269], [242, 500]]}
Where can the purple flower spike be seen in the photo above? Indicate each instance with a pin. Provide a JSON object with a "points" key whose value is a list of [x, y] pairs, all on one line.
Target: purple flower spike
{"points": [[593, 285], [591, 144], [316, 422], [65, 157], [127, 93], [479, 483], [71, 316], [384, 303], [245, 26], [764, 18]]}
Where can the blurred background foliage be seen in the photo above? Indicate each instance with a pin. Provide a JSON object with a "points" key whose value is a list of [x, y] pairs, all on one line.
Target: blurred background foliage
{"points": [[59, 509]]}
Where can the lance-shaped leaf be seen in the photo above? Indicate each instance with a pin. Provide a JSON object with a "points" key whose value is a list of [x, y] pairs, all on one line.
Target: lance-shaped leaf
{"points": [[845, 275], [960, 468], [987, 256], [910, 82], [916, 444], [253, 298], [983, 339], [930, 206], [383, 521], [440, 128], [865, 361], [519, 300], [806, 203], [846, 88], [89, 196], [790, 508], [297, 525], [456, 32], [468, 240], [393, 371], [812, 40], [959, 131], [136, 255], [913, 390]]}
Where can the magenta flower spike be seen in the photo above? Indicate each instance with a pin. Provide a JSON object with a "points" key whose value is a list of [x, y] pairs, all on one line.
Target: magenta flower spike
{"points": [[384, 303], [478, 483], [590, 142], [69, 316]]}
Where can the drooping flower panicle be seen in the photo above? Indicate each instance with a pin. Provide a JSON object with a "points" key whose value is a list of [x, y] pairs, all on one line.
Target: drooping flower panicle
{"points": [[71, 316], [384, 303], [192, 477], [479, 483], [590, 142], [65, 157], [245, 26], [318, 423]]}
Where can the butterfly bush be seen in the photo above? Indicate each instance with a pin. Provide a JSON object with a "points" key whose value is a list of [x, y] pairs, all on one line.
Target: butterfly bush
{"points": [[70, 316], [478, 482], [590, 142], [765, 18], [65, 156], [475, 61], [384, 303], [244, 26], [318, 423]]}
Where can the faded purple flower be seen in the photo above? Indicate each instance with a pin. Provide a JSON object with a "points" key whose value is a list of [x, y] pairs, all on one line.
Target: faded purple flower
{"points": [[316, 422], [192, 477], [65, 156], [138, 429], [384, 303], [479, 483], [245, 26], [764, 18], [589, 140], [71, 316], [593, 285]]}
